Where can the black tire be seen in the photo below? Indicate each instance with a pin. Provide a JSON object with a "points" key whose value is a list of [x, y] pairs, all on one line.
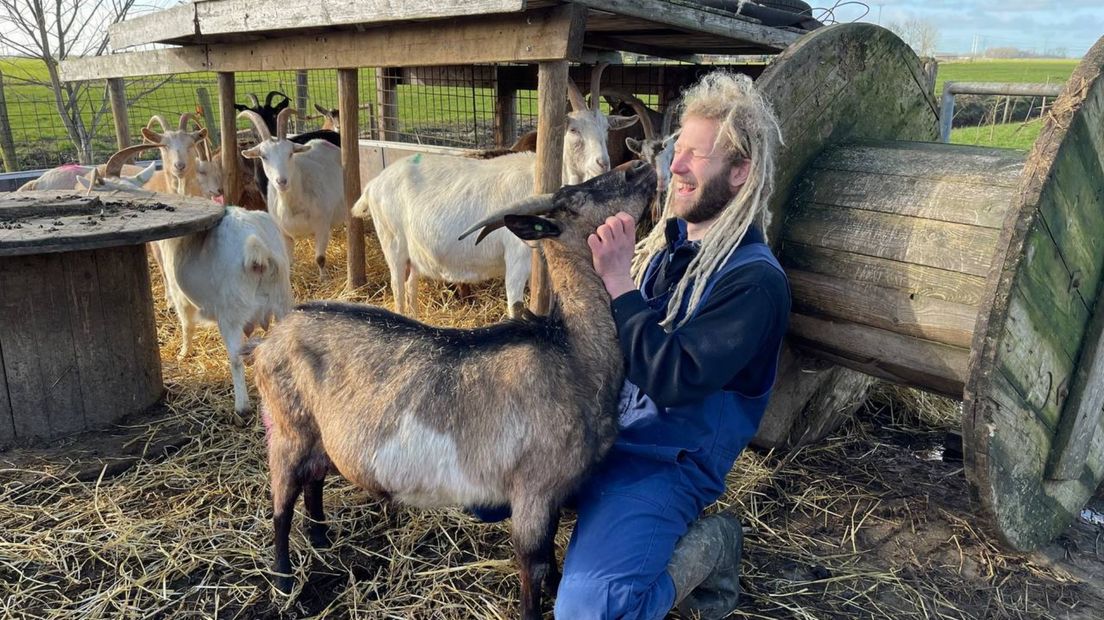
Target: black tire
{"points": [[791, 6]]}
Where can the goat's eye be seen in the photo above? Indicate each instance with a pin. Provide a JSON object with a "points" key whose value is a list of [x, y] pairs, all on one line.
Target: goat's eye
{"points": [[573, 130]]}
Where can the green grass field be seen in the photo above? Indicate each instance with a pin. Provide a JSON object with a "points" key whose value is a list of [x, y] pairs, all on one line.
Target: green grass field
{"points": [[439, 115]]}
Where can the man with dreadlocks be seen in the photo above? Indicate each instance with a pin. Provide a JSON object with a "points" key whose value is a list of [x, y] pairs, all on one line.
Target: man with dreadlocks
{"points": [[700, 310]]}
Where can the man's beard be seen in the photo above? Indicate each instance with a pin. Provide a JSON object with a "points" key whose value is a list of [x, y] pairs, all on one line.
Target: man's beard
{"points": [[715, 195]]}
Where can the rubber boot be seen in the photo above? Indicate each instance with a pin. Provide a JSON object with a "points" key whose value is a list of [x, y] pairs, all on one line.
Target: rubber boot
{"points": [[706, 567]]}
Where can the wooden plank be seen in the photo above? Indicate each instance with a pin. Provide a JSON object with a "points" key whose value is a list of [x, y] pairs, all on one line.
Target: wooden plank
{"points": [[7, 421], [166, 24], [1082, 413], [955, 247], [945, 200], [38, 222], [697, 18], [884, 308], [914, 362], [842, 83], [551, 124], [1073, 211], [136, 64], [241, 16], [527, 37], [349, 106], [1032, 363], [931, 160], [914, 280], [94, 321], [1050, 293], [232, 181], [39, 347]]}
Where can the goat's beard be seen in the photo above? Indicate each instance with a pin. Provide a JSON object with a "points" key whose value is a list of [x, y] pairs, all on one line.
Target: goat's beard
{"points": [[715, 195]]}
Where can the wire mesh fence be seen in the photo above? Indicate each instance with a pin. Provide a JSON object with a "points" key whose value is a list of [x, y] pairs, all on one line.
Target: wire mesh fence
{"points": [[442, 106]]}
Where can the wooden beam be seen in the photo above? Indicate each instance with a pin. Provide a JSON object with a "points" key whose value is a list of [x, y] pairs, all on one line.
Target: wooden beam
{"points": [[228, 124], [136, 64], [116, 91], [551, 124], [172, 23], [349, 108], [526, 37], [239, 16], [696, 18], [548, 34]]}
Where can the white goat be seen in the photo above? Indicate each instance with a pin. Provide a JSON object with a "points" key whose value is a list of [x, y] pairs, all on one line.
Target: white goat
{"points": [[68, 176], [236, 275], [306, 192], [178, 156], [419, 205]]}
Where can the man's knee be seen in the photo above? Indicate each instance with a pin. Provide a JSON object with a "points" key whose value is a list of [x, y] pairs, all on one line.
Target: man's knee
{"points": [[598, 599]]}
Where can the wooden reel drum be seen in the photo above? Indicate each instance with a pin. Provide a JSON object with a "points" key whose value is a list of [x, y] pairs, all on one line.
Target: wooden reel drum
{"points": [[970, 272]]}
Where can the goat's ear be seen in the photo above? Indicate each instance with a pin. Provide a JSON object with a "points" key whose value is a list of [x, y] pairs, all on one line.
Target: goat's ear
{"points": [[151, 135], [532, 227], [283, 104], [199, 135], [300, 148], [634, 145], [241, 108], [621, 122], [321, 110], [252, 153]]}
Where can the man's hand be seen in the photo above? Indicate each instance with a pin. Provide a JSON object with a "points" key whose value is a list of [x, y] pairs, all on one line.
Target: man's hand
{"points": [[612, 249]]}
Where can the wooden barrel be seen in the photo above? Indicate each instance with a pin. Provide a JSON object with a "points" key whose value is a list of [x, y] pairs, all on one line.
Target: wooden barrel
{"points": [[78, 342], [974, 273]]}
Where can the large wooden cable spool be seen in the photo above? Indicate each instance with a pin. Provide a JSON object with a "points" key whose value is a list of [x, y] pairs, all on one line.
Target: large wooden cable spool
{"points": [[970, 272]]}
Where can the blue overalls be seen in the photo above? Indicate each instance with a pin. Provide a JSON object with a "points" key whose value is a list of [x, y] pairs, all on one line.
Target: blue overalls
{"points": [[665, 467]]}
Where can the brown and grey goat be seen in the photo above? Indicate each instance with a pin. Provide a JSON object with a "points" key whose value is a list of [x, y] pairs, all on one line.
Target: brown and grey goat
{"points": [[513, 414]]}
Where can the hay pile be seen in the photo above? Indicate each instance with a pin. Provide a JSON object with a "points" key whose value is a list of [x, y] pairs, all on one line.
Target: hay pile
{"points": [[170, 517]]}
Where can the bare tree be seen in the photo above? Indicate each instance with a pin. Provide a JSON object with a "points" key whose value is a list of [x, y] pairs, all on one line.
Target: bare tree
{"points": [[53, 31], [920, 34]]}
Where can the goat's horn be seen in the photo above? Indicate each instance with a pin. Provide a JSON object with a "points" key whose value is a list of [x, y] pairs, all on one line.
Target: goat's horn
{"points": [[596, 83], [575, 96], [534, 205], [273, 93], [184, 118], [114, 166], [282, 121], [258, 123], [160, 120], [638, 106], [253, 100]]}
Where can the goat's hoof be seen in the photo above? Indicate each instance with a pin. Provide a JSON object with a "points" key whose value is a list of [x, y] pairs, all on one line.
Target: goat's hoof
{"points": [[241, 416], [320, 537], [284, 585]]}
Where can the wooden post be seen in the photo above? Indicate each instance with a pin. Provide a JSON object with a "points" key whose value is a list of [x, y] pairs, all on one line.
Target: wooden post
{"points": [[209, 121], [116, 92], [349, 107], [7, 144], [301, 97], [228, 123], [505, 116], [387, 102], [551, 123]]}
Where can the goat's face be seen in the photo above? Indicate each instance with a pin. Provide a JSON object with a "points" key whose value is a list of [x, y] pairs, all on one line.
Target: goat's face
{"points": [[177, 148], [575, 211], [209, 176], [275, 155], [658, 153], [585, 152]]}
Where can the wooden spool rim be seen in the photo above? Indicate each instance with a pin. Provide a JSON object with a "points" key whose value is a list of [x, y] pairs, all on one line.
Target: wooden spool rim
{"points": [[188, 214], [1039, 180]]}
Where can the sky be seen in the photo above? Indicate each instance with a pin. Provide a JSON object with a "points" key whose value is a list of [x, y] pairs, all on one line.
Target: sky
{"points": [[1035, 25]]}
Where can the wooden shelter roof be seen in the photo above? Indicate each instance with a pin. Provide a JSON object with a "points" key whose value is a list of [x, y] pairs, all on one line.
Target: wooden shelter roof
{"points": [[237, 35]]}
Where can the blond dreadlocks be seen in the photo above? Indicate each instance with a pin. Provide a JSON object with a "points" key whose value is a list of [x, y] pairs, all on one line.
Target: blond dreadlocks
{"points": [[749, 130]]}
